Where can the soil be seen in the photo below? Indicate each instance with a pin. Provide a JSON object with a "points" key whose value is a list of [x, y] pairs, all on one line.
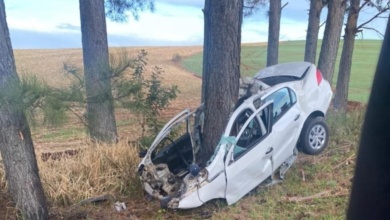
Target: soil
{"points": [[353, 105]]}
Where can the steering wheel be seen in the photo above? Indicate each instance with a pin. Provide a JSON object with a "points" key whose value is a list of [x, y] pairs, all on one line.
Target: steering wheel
{"points": [[248, 132], [178, 150]]}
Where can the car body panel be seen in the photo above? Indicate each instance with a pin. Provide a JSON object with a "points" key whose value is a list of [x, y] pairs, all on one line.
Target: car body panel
{"points": [[257, 163], [295, 69], [258, 144], [285, 142], [214, 189]]}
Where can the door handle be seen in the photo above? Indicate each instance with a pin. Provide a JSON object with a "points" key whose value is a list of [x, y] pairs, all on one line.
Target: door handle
{"points": [[297, 117], [269, 150]]}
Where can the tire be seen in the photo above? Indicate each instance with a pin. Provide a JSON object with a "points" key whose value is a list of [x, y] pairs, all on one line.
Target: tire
{"points": [[314, 136]]}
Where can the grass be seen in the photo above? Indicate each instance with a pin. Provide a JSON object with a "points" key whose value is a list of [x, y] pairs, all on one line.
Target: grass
{"points": [[64, 134], [253, 58], [329, 173], [93, 171], [111, 169]]}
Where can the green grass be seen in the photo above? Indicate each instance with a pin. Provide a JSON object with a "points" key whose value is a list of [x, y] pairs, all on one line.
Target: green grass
{"points": [[322, 182], [101, 169], [111, 170], [253, 58], [64, 134]]}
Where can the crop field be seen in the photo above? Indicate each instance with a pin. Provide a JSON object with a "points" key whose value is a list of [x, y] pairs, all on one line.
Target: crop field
{"points": [[316, 187], [253, 58]]}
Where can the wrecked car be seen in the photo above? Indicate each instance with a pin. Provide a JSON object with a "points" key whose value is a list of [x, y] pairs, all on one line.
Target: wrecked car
{"points": [[280, 110]]}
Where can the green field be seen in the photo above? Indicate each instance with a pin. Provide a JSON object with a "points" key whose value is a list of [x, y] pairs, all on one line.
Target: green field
{"points": [[253, 58]]}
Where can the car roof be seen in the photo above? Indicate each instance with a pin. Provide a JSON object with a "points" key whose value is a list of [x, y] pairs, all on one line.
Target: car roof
{"points": [[294, 69]]}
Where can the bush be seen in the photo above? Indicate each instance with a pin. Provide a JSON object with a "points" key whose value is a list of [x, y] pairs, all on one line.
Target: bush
{"points": [[144, 97], [176, 59]]}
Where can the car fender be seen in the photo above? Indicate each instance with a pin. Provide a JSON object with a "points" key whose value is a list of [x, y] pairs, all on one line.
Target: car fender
{"points": [[325, 96], [204, 192]]}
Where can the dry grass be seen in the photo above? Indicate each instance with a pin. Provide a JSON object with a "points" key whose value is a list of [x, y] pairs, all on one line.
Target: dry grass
{"points": [[102, 169], [95, 170], [92, 171]]}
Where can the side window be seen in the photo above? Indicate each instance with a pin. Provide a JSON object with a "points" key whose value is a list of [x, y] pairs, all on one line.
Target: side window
{"points": [[251, 135], [240, 121], [293, 97], [282, 102]]}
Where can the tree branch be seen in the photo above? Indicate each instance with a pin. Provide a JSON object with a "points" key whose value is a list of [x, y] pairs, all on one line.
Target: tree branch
{"points": [[324, 194], [284, 6], [373, 29], [374, 17], [78, 116], [383, 17], [364, 4], [322, 23], [73, 70]]}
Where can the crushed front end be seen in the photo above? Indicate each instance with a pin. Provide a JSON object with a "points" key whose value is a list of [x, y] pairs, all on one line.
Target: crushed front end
{"points": [[168, 171]]}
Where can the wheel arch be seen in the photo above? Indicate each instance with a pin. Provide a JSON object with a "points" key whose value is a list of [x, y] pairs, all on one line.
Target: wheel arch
{"points": [[312, 116], [315, 114]]}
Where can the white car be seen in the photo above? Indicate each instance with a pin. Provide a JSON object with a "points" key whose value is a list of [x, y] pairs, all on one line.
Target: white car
{"points": [[281, 110]]}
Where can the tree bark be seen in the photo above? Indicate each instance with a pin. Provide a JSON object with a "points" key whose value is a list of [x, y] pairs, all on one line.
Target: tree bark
{"points": [[332, 34], [370, 189], [16, 146], [275, 10], [221, 67], [313, 28], [100, 107], [341, 96]]}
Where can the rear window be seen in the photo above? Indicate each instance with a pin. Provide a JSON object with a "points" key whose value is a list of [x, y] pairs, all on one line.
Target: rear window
{"points": [[274, 80]]}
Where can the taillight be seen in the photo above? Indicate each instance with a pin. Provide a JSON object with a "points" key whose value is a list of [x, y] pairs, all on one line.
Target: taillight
{"points": [[319, 77]]}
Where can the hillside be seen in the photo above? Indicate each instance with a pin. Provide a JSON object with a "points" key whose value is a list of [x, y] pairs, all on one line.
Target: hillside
{"points": [[48, 65], [253, 58]]}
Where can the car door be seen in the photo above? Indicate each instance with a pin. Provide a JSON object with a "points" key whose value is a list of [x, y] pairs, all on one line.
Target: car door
{"points": [[248, 165], [286, 121]]}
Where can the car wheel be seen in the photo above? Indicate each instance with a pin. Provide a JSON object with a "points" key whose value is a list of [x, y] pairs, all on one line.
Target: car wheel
{"points": [[314, 136]]}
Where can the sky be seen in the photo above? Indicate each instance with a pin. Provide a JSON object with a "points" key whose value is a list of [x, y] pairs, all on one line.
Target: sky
{"points": [[56, 24]]}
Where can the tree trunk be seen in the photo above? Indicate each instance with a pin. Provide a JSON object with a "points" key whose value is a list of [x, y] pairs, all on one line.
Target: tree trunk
{"points": [[275, 9], [221, 67], [16, 146], [332, 34], [341, 96], [370, 189], [100, 107], [312, 30]]}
